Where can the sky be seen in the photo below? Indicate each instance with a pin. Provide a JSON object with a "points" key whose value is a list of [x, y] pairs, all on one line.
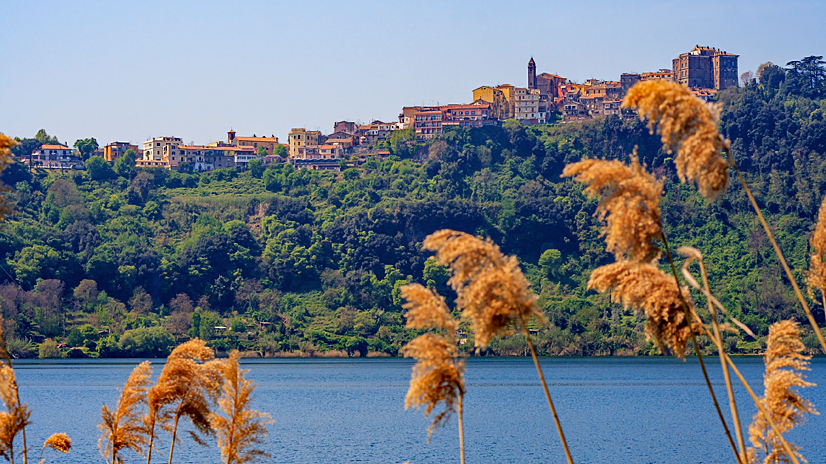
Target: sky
{"points": [[133, 70]]}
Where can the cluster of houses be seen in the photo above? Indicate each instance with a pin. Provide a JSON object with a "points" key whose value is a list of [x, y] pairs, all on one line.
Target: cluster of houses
{"points": [[705, 70]]}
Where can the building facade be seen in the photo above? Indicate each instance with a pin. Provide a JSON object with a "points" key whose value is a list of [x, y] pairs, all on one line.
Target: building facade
{"points": [[53, 157], [154, 149], [115, 150], [706, 68], [300, 138]]}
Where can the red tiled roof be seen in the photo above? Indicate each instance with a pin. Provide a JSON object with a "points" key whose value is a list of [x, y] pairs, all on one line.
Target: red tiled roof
{"points": [[55, 147]]}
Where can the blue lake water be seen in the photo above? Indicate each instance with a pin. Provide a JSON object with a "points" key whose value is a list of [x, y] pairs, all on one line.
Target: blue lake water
{"points": [[613, 410]]}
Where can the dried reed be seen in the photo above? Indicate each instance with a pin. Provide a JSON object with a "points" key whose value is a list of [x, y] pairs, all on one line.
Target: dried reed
{"points": [[243, 430], [629, 201], [187, 387], [16, 416], [122, 428], [816, 278], [438, 375], [58, 442], [493, 292], [645, 287], [782, 402], [5, 159], [689, 126]]}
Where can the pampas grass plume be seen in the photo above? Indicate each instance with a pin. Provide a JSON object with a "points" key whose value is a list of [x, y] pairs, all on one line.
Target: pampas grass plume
{"points": [[16, 416], [493, 292], [426, 309], [58, 442], [122, 428], [241, 431], [437, 377], [817, 262], [629, 201], [687, 125], [187, 388], [645, 287], [784, 362]]}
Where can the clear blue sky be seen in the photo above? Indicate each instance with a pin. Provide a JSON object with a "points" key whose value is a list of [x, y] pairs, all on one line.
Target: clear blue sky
{"points": [[131, 70]]}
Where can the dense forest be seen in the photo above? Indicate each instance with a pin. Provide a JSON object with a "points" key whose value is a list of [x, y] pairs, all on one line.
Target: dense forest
{"points": [[124, 262]]}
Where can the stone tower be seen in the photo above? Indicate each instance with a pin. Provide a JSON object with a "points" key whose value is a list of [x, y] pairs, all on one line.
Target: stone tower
{"points": [[531, 74]]}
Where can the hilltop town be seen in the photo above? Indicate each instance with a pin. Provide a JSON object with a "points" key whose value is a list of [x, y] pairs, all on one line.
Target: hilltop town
{"points": [[547, 98]]}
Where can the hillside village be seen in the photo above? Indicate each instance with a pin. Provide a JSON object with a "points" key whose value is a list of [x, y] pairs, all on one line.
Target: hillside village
{"points": [[547, 98]]}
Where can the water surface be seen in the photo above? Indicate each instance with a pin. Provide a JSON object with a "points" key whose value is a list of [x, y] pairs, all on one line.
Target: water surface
{"points": [[613, 410]]}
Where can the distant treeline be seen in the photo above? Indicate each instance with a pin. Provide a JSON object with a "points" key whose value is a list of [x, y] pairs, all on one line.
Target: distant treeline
{"points": [[126, 262]]}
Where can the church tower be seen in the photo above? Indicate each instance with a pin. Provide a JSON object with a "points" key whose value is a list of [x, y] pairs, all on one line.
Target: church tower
{"points": [[531, 74]]}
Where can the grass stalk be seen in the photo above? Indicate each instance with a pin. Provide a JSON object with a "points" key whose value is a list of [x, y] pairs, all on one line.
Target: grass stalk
{"points": [[461, 430], [763, 411], [778, 252], [174, 436], [547, 393], [718, 340], [700, 356]]}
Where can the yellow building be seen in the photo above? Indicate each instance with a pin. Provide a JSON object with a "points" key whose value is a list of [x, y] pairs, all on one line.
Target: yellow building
{"points": [[300, 139], [115, 150], [499, 105]]}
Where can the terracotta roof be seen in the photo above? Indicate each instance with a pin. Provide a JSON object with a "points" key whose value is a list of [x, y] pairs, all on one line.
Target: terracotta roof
{"points": [[55, 147], [259, 139]]}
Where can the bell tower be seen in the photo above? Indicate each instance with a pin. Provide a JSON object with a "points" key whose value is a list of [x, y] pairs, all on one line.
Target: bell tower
{"points": [[531, 74]]}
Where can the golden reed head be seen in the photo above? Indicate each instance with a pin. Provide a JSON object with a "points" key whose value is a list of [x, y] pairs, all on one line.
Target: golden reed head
{"points": [[58, 442], [816, 278], [493, 292], [629, 200], [438, 377], [687, 125], [785, 362], [645, 287]]}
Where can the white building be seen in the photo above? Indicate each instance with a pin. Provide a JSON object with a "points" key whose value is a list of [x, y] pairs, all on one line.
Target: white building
{"points": [[54, 157], [526, 106], [153, 149]]}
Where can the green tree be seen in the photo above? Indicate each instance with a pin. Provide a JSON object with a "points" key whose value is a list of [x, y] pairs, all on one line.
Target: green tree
{"points": [[149, 342], [86, 147], [256, 167], [49, 349], [262, 151], [280, 150], [99, 169], [125, 165]]}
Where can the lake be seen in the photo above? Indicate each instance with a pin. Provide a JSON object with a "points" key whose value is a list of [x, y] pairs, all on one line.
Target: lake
{"points": [[613, 410]]}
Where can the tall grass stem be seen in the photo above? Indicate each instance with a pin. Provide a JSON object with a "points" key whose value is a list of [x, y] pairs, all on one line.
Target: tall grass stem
{"points": [[697, 349], [778, 252], [547, 393], [461, 430], [718, 340], [763, 411]]}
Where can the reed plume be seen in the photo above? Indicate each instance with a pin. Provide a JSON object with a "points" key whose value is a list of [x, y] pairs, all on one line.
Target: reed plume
{"points": [[438, 377], [816, 278], [122, 428], [493, 292], [243, 430], [5, 159], [187, 388], [687, 125], [645, 287], [16, 416], [439, 373], [785, 362], [629, 201], [58, 442]]}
